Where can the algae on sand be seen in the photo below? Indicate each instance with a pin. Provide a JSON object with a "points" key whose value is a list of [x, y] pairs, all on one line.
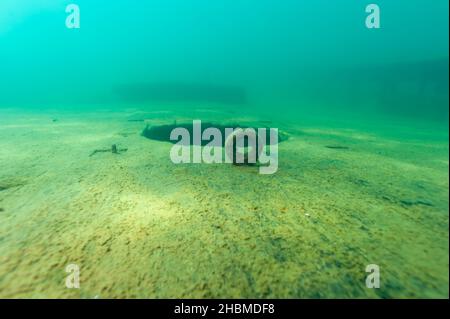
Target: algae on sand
{"points": [[139, 226]]}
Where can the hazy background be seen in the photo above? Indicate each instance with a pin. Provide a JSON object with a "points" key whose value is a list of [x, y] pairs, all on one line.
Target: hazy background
{"points": [[291, 56]]}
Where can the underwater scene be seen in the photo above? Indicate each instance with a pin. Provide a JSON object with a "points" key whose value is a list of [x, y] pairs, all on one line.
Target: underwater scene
{"points": [[224, 149]]}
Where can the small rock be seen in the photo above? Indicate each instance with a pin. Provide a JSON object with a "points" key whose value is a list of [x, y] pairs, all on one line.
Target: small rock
{"points": [[337, 147]]}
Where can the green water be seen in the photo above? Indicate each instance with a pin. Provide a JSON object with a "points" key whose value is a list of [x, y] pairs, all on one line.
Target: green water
{"points": [[291, 56], [362, 179]]}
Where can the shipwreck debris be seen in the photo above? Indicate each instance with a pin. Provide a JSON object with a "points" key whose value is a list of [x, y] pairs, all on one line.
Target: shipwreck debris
{"points": [[113, 150]]}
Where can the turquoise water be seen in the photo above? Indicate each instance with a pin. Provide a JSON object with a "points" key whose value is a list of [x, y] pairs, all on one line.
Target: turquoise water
{"points": [[292, 56], [362, 178]]}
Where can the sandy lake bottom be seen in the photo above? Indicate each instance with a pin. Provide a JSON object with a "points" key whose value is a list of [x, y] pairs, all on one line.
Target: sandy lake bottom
{"points": [[140, 226]]}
